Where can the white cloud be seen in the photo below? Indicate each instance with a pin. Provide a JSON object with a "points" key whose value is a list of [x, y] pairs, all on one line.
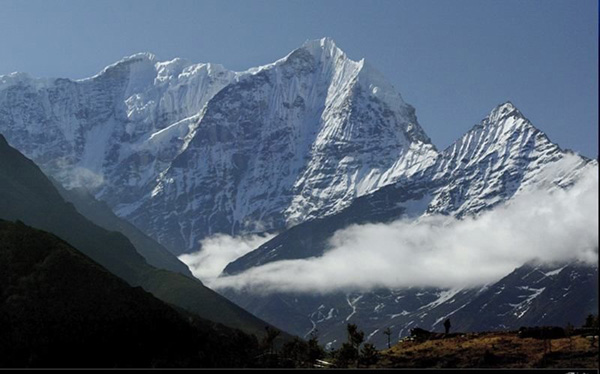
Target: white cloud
{"points": [[441, 251], [72, 176], [219, 250], [83, 177]]}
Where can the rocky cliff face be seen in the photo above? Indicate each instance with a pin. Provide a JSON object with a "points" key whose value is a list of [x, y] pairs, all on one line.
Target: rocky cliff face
{"points": [[497, 160], [304, 146], [185, 151]]}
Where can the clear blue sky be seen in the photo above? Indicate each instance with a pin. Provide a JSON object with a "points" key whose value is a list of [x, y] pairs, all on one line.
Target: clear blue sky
{"points": [[454, 60]]}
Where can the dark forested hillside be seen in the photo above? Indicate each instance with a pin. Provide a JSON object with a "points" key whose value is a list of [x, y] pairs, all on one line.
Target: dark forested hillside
{"points": [[27, 195], [100, 214], [58, 308]]}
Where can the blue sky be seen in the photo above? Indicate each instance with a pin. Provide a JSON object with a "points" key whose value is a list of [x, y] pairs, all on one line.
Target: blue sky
{"points": [[453, 60]]}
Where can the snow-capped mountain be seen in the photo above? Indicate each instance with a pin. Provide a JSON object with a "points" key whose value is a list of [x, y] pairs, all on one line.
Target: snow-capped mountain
{"points": [[184, 151], [495, 161], [304, 146], [290, 141], [113, 133], [498, 158]]}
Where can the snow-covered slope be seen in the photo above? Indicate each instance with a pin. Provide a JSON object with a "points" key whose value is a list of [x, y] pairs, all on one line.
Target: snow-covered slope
{"points": [[498, 159], [294, 140], [112, 133], [531, 295], [184, 150]]}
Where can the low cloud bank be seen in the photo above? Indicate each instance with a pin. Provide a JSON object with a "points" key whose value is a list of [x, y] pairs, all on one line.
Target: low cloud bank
{"points": [[219, 250], [441, 251]]}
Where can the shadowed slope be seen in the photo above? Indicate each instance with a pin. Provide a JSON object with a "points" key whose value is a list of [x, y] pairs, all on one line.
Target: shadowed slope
{"points": [[27, 195], [58, 308]]}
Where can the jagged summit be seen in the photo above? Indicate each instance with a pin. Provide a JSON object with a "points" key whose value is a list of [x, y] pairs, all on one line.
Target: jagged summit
{"points": [[141, 60], [232, 152], [496, 159], [505, 126], [188, 150], [140, 56], [502, 112], [324, 49], [320, 56], [14, 78], [504, 118]]}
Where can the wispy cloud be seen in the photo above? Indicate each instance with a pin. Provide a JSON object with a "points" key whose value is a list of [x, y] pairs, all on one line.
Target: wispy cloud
{"points": [[441, 251], [83, 177], [219, 250]]}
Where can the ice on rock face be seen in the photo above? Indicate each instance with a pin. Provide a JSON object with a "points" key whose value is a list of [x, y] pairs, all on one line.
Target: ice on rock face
{"points": [[102, 126], [186, 150], [498, 158], [286, 142]]}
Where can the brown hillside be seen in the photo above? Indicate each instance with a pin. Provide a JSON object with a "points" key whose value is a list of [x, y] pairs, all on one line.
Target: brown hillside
{"points": [[492, 350]]}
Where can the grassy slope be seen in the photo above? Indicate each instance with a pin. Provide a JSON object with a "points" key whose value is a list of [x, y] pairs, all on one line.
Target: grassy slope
{"points": [[491, 350]]}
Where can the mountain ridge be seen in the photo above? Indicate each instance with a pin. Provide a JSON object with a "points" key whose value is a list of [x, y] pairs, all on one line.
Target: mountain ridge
{"points": [[454, 188], [29, 196], [62, 309], [506, 163], [303, 146], [332, 128]]}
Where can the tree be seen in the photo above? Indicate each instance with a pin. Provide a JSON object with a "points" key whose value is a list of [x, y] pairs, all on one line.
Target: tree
{"points": [[314, 350], [346, 355], [355, 337], [388, 333], [447, 325], [591, 321], [297, 353], [369, 355], [267, 344], [269, 338], [349, 352], [294, 353]]}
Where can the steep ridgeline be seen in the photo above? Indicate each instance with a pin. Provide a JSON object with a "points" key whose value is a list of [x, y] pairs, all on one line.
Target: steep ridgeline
{"points": [[100, 214], [26, 194], [113, 133], [495, 161], [184, 151]]}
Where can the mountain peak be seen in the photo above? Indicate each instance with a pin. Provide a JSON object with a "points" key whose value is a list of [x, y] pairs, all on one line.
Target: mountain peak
{"points": [[325, 43], [145, 58], [324, 48], [143, 61], [140, 56], [502, 111]]}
